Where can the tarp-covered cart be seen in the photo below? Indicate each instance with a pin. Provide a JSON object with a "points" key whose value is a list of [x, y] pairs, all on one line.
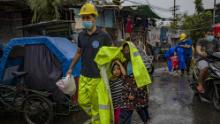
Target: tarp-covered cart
{"points": [[29, 70]]}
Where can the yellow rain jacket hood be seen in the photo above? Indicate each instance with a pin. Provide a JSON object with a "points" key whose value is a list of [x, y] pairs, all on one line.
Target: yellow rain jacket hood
{"points": [[106, 54]]}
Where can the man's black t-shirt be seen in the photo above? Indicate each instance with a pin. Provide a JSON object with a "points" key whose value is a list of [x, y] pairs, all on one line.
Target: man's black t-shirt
{"points": [[90, 45]]}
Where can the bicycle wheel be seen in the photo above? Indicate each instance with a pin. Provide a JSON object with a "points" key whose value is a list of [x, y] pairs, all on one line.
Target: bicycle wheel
{"points": [[7, 95], [38, 110], [151, 69]]}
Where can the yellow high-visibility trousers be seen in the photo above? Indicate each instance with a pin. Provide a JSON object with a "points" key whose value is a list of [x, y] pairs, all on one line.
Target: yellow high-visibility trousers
{"points": [[94, 99]]}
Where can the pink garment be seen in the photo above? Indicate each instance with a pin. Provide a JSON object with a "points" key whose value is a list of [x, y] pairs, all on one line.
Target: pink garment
{"points": [[175, 62], [75, 97], [117, 112]]}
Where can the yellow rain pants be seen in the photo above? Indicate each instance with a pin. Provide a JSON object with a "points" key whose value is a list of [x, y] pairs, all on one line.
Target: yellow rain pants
{"points": [[94, 99]]}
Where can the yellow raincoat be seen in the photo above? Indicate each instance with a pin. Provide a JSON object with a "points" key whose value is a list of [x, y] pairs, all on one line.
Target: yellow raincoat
{"points": [[106, 54], [103, 59]]}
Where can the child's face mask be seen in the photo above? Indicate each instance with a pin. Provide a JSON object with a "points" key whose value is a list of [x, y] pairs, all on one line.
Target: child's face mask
{"points": [[127, 56], [126, 53]]}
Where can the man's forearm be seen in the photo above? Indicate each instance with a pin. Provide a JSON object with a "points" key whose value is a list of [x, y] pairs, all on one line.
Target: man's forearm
{"points": [[74, 61], [198, 50], [186, 46], [200, 53]]}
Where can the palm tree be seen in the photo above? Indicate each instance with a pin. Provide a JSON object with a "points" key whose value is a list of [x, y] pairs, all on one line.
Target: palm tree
{"points": [[45, 10]]}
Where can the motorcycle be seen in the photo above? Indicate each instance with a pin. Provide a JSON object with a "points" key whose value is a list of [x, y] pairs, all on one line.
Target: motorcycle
{"points": [[148, 61], [212, 82]]}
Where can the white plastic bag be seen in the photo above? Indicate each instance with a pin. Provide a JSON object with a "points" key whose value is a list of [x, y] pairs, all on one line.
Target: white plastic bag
{"points": [[67, 85]]}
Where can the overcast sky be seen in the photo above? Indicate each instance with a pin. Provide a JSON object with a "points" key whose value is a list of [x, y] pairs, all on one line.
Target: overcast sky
{"points": [[185, 5]]}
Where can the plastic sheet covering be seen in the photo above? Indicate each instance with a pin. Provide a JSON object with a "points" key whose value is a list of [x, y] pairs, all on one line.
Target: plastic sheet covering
{"points": [[61, 48], [43, 70]]}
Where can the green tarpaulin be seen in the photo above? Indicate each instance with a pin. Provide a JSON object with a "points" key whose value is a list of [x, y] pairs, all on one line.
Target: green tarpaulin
{"points": [[141, 10]]}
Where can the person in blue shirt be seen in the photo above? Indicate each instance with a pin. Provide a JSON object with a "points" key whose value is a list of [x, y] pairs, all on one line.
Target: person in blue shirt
{"points": [[186, 44]]}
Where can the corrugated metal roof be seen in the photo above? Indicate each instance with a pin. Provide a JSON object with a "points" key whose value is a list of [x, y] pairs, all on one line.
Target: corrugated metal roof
{"points": [[142, 10]]}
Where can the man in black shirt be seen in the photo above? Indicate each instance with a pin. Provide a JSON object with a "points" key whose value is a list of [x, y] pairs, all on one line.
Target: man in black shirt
{"points": [[205, 46], [93, 97]]}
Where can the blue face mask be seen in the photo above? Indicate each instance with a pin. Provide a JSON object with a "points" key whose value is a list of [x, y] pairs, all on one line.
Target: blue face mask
{"points": [[210, 38], [87, 24]]}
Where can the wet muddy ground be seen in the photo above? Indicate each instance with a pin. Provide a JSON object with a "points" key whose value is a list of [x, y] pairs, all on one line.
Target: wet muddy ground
{"points": [[171, 102]]}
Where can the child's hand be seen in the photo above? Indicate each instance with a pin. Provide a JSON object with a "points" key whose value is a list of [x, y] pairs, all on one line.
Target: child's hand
{"points": [[130, 97], [118, 62]]}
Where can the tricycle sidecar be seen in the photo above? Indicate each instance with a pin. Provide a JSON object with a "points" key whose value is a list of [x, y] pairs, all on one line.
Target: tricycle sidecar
{"points": [[29, 70]]}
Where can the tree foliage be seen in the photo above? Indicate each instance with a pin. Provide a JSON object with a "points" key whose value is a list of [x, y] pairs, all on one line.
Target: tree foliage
{"points": [[199, 6], [178, 21], [45, 10], [196, 25]]}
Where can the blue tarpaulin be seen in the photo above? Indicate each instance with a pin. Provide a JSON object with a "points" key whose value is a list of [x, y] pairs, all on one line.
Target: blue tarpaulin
{"points": [[180, 54], [61, 48]]}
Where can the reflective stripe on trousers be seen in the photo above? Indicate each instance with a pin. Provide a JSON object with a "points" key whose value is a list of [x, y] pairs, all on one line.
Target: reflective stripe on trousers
{"points": [[104, 107]]}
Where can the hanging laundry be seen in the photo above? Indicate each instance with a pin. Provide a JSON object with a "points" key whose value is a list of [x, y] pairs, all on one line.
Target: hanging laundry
{"points": [[129, 25]]}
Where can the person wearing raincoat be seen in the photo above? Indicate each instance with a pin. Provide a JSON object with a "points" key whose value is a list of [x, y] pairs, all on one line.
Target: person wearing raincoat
{"points": [[181, 57], [186, 44], [107, 54], [93, 97]]}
